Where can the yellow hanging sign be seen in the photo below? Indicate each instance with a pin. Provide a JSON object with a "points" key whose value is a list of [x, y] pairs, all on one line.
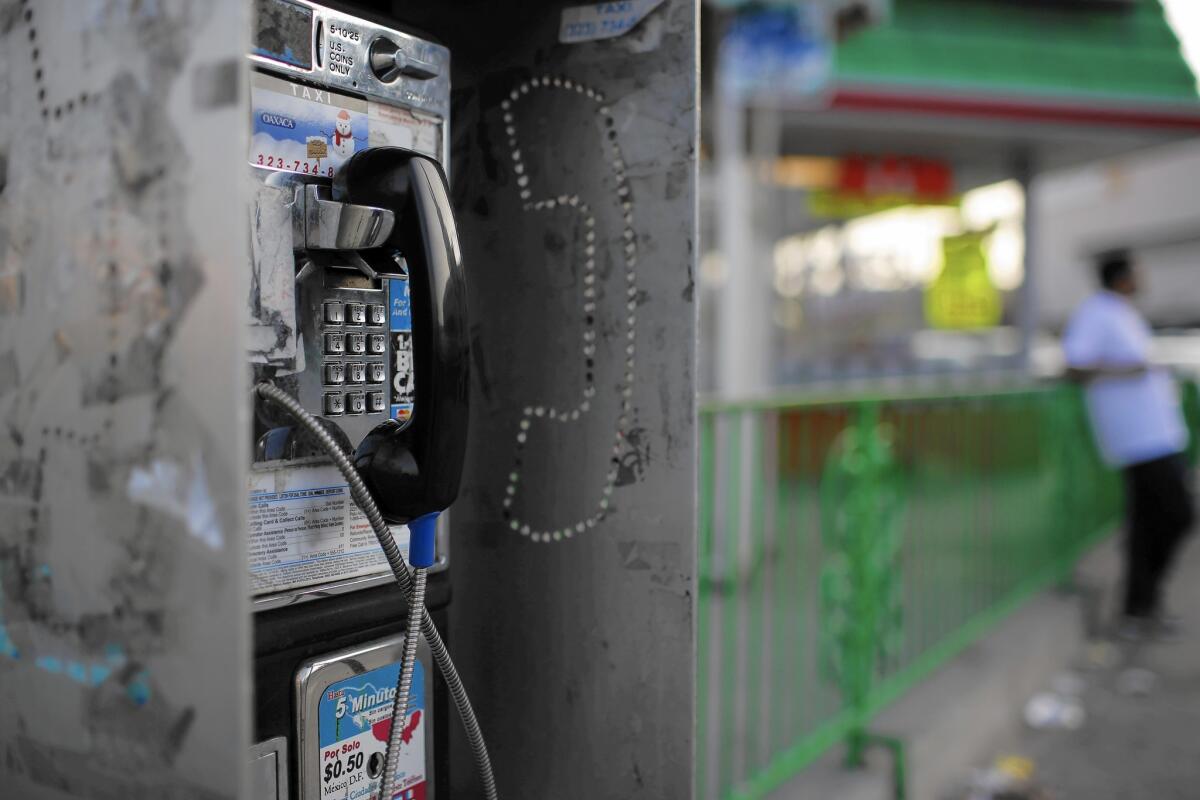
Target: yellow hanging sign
{"points": [[963, 297]]}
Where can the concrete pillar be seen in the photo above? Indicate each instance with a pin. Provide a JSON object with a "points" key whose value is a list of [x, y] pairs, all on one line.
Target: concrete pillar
{"points": [[744, 351]]}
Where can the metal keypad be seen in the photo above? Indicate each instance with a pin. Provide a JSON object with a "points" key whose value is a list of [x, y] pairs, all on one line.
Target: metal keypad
{"points": [[353, 360]]}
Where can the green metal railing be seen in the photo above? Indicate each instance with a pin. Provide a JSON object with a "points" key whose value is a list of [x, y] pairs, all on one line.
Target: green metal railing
{"points": [[849, 547]]}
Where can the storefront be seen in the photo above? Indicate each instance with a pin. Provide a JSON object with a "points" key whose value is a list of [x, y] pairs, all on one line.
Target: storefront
{"points": [[879, 214]]}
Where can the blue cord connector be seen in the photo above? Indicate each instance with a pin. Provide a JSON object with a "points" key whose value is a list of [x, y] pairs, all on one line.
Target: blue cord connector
{"points": [[422, 541]]}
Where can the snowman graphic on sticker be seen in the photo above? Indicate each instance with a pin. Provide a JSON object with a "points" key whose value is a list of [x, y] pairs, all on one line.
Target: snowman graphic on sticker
{"points": [[343, 136]]}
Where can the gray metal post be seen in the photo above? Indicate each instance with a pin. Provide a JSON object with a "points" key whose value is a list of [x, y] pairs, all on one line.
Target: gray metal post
{"points": [[573, 539], [743, 329], [1027, 296]]}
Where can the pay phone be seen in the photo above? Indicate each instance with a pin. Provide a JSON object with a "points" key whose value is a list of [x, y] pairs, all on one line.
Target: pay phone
{"points": [[359, 356]]}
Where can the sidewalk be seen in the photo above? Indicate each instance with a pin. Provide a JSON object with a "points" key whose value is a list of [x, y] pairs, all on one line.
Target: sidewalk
{"points": [[1132, 746]]}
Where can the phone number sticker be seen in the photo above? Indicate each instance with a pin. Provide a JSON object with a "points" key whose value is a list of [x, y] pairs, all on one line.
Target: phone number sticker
{"points": [[303, 129]]}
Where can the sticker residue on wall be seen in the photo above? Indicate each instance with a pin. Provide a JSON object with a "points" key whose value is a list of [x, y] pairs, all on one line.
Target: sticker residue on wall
{"points": [[603, 20]]}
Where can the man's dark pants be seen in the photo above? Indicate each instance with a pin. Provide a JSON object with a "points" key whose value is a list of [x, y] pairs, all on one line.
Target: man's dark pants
{"points": [[1160, 513]]}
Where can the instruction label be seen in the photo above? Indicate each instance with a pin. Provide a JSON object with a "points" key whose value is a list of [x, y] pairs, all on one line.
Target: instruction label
{"points": [[305, 530], [354, 720]]}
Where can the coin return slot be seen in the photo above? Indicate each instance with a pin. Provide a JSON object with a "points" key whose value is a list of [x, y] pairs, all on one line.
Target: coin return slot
{"points": [[320, 55]]}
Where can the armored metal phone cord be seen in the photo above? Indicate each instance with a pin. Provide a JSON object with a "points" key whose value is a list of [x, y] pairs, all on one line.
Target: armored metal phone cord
{"points": [[416, 603], [441, 656]]}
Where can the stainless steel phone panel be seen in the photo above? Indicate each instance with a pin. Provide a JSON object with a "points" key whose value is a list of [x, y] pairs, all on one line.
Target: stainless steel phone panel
{"points": [[310, 57], [312, 43]]}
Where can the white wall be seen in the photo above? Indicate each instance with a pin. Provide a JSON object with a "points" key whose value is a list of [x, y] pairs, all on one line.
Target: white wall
{"points": [[1149, 201]]}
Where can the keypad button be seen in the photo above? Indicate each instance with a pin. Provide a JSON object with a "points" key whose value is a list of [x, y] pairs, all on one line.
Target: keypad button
{"points": [[378, 372], [356, 343], [334, 313], [356, 373], [334, 403], [356, 314], [334, 374], [378, 343], [376, 315], [356, 403], [375, 402], [335, 343]]}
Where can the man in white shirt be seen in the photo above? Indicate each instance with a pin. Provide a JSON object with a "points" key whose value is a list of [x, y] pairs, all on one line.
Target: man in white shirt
{"points": [[1138, 424]]}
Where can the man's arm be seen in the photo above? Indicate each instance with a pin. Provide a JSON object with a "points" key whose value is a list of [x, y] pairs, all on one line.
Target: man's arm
{"points": [[1096, 372]]}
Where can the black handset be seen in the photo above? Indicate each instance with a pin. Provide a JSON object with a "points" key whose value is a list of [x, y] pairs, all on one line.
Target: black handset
{"points": [[415, 469]]}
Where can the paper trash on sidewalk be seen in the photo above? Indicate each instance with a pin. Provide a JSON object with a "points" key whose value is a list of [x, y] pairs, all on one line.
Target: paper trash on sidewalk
{"points": [[1050, 710], [1010, 778]]}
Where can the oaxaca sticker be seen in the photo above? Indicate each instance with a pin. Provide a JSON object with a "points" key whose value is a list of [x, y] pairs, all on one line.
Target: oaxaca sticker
{"points": [[298, 128]]}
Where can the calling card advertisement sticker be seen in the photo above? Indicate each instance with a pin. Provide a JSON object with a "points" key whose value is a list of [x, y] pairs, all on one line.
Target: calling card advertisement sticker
{"points": [[354, 719], [403, 392]]}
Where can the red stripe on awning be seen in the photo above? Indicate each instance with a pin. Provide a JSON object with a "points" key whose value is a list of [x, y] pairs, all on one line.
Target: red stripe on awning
{"points": [[866, 100]]}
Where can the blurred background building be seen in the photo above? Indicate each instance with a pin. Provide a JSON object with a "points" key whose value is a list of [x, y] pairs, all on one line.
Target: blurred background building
{"points": [[912, 189]]}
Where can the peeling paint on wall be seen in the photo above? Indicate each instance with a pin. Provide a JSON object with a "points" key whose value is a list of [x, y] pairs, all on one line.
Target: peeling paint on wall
{"points": [[122, 605], [182, 492], [274, 331]]}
